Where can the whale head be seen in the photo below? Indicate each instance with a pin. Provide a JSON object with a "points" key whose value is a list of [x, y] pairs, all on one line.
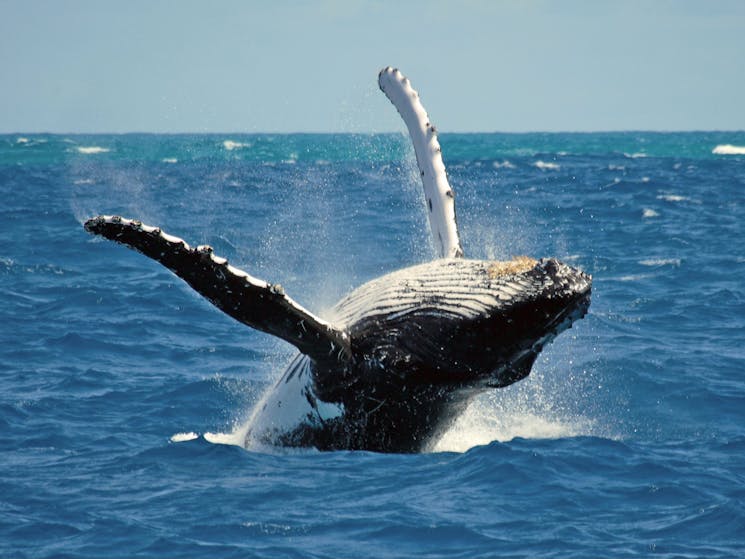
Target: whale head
{"points": [[535, 301], [469, 323]]}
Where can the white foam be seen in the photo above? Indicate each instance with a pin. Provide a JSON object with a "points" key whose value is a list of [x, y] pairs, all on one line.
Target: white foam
{"points": [[230, 145], [632, 277], [83, 181], [235, 438], [728, 149], [91, 149], [22, 140], [649, 213], [183, 437], [504, 419], [636, 155], [169, 160], [672, 198], [502, 165], [654, 262], [546, 166]]}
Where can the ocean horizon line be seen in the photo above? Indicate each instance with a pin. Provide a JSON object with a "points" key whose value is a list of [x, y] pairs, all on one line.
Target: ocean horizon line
{"points": [[371, 133]]}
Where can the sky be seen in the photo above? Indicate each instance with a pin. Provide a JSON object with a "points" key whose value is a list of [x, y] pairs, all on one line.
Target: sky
{"points": [[300, 66]]}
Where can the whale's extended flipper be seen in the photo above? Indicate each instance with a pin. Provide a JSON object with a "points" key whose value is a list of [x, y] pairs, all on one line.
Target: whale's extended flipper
{"points": [[254, 302], [437, 191]]}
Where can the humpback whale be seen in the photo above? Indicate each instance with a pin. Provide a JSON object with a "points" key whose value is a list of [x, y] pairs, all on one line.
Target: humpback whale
{"points": [[400, 357]]}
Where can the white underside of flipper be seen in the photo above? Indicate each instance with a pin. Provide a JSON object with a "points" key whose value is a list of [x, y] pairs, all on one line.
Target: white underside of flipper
{"points": [[437, 191]]}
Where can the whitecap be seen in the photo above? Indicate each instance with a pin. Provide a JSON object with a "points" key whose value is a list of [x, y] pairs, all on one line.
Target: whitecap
{"points": [[183, 437], [83, 181], [22, 140], [633, 277], [672, 198], [292, 159], [169, 160], [649, 213], [91, 149], [728, 149], [614, 182], [544, 166], [636, 155], [655, 262], [502, 165], [230, 145]]}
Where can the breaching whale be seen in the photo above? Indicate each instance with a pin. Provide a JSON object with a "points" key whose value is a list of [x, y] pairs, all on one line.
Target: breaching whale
{"points": [[400, 357]]}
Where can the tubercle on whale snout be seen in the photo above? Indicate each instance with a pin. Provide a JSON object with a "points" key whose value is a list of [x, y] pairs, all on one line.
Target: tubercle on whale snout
{"points": [[567, 279]]}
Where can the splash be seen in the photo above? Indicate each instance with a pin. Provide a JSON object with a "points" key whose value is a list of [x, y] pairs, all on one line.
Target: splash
{"points": [[233, 438], [184, 437], [529, 410]]}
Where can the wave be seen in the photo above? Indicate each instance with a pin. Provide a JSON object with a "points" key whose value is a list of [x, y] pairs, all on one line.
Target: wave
{"points": [[91, 149], [649, 213], [728, 149], [29, 142], [654, 262], [502, 165], [169, 160], [230, 145], [672, 198], [636, 155], [544, 166], [183, 437]]}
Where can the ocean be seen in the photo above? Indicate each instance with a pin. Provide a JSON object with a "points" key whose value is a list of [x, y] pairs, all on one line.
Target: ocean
{"points": [[121, 387]]}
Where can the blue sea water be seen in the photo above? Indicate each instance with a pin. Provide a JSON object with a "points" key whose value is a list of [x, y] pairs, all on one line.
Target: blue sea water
{"points": [[627, 440]]}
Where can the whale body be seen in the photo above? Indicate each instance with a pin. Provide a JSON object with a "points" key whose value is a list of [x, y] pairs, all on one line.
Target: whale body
{"points": [[400, 357]]}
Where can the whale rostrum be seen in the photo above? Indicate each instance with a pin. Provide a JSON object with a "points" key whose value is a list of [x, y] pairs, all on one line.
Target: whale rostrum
{"points": [[400, 357]]}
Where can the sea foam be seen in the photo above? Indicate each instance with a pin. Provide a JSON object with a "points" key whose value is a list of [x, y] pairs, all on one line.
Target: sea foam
{"points": [[183, 437], [544, 166], [728, 149], [92, 149], [230, 145]]}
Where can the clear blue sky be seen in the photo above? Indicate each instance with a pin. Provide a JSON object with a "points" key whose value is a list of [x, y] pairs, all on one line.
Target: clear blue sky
{"points": [[281, 66]]}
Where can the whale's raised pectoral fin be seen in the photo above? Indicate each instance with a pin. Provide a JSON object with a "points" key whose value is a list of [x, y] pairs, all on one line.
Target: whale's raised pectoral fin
{"points": [[438, 194], [252, 301]]}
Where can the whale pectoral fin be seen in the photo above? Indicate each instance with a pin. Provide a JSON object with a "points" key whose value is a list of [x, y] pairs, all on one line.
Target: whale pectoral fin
{"points": [[438, 193], [252, 301]]}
